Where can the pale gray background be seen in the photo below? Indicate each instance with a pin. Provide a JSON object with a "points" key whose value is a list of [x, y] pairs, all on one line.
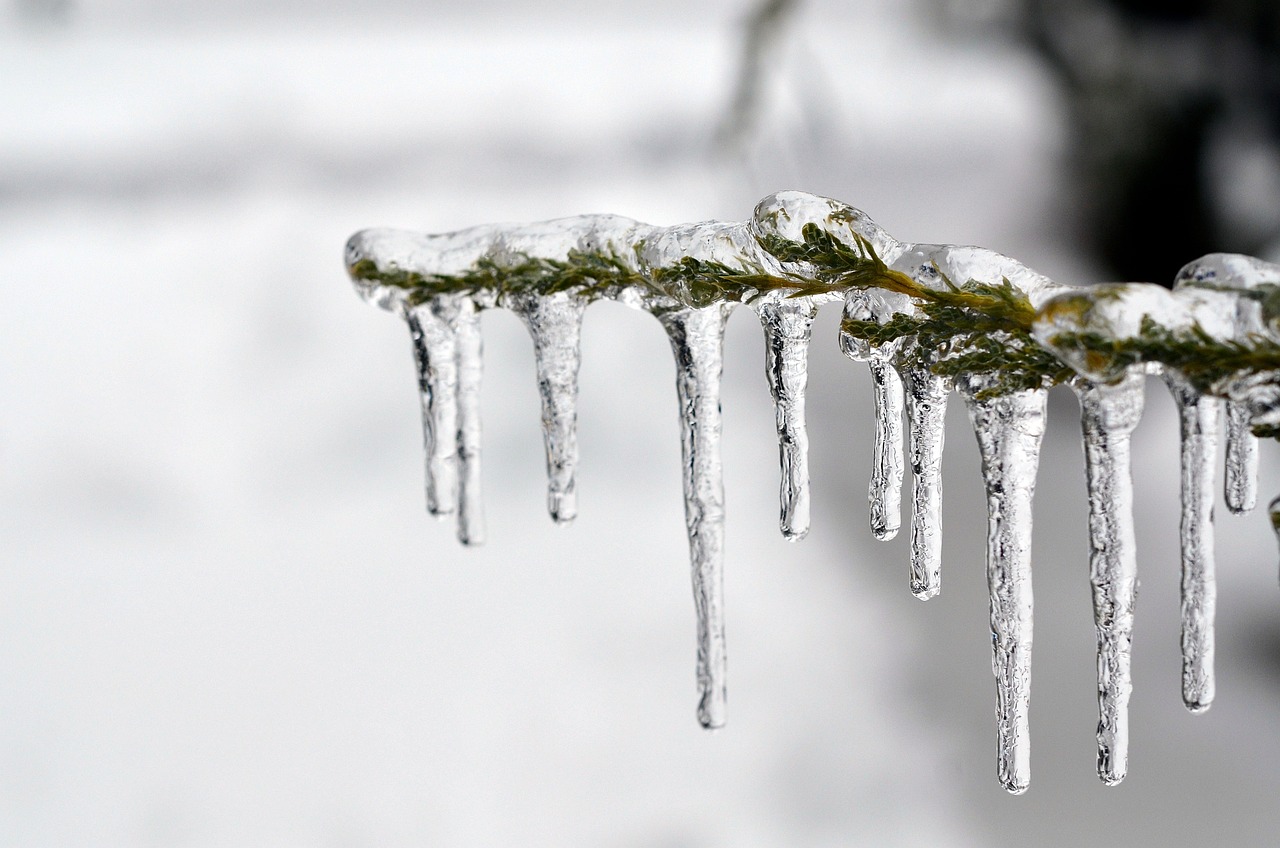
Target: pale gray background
{"points": [[225, 619]]}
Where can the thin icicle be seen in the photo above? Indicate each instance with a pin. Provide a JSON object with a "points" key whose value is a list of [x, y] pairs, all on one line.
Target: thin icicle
{"points": [[1241, 486], [926, 395], [885, 492], [1108, 415], [555, 323], [435, 354], [788, 326], [1199, 424], [1009, 430], [470, 368], [697, 340], [1273, 512]]}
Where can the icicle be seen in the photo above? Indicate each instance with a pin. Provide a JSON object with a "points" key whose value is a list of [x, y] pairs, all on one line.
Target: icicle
{"points": [[885, 493], [1199, 419], [1009, 430], [470, 368], [788, 326], [927, 411], [1241, 488], [697, 340], [555, 323], [1273, 512], [435, 353], [1108, 415]]}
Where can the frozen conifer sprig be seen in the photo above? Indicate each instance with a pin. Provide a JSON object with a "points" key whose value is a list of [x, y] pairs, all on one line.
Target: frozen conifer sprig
{"points": [[926, 318]]}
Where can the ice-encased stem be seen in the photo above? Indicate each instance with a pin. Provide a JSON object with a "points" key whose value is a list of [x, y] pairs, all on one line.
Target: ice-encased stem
{"points": [[470, 349], [435, 355], [1009, 430], [1241, 486], [1199, 416], [555, 323], [926, 396], [697, 340], [1108, 415], [885, 491], [788, 326]]}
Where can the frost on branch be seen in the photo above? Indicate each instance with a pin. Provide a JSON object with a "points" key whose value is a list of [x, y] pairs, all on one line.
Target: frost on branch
{"points": [[926, 318]]}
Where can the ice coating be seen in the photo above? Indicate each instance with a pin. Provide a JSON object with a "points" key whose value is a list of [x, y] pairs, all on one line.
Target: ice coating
{"points": [[436, 357], [1009, 430], [697, 340], [1108, 415], [1199, 419], [555, 323], [1255, 313]]}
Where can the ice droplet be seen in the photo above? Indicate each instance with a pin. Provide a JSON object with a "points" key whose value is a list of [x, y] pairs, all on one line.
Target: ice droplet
{"points": [[1199, 417], [697, 340], [1108, 415], [788, 325], [435, 354], [555, 323], [1009, 428], [926, 395], [470, 369], [1273, 512]]}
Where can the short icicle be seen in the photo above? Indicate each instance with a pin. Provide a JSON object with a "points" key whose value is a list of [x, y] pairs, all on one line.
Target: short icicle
{"points": [[1009, 428], [555, 323], [697, 340], [885, 492], [926, 395], [435, 355], [788, 326], [1108, 415], [470, 368], [1199, 424], [1241, 485]]}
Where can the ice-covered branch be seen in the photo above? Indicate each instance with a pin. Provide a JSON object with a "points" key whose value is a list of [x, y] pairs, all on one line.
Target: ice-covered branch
{"points": [[926, 318]]}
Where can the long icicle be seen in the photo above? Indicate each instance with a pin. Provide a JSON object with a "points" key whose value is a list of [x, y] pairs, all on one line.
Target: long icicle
{"points": [[1009, 430], [1241, 485], [788, 326], [926, 396], [885, 491], [471, 529], [555, 323], [697, 340], [1199, 417], [1108, 415], [435, 355]]}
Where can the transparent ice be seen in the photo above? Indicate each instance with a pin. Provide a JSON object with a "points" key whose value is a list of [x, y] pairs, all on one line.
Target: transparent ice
{"points": [[1227, 297]]}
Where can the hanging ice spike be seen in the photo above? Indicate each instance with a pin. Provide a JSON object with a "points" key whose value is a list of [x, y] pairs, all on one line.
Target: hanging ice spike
{"points": [[923, 317]]}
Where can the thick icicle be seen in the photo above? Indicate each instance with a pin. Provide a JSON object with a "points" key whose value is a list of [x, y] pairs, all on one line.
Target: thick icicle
{"points": [[927, 412], [697, 340], [1108, 415], [788, 325], [885, 492], [1009, 430], [1241, 485], [470, 368], [435, 354], [555, 323], [1199, 424]]}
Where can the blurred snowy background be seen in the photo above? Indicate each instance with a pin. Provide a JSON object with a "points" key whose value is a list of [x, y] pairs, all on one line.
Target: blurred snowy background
{"points": [[225, 619]]}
